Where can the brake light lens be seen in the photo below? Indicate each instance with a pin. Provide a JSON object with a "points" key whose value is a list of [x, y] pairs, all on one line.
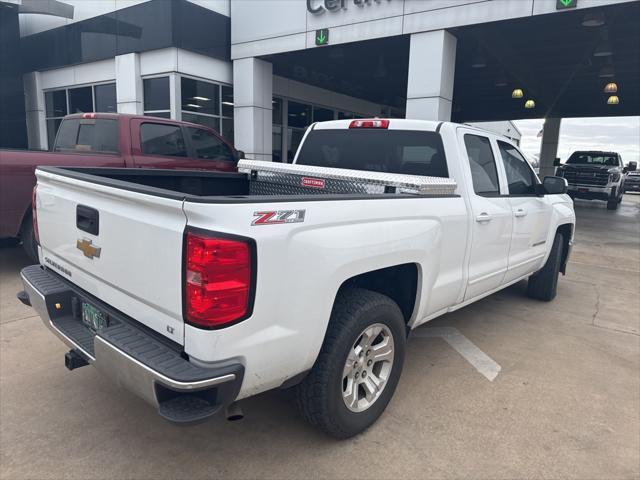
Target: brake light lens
{"points": [[218, 280], [34, 215], [373, 123]]}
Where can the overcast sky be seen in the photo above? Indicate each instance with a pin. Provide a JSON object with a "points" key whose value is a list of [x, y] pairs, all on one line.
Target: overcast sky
{"points": [[617, 134]]}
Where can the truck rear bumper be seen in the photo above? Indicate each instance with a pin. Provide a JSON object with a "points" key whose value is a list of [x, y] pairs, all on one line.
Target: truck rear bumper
{"points": [[133, 356]]}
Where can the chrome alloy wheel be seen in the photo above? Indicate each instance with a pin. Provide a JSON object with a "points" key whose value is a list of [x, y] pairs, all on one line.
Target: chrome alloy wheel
{"points": [[368, 367]]}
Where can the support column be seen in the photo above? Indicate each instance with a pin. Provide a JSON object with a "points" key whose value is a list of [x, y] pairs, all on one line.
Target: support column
{"points": [[549, 146], [252, 111], [35, 111], [432, 62], [129, 91]]}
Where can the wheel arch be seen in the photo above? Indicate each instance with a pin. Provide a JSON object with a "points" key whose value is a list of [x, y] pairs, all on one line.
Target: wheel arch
{"points": [[398, 282]]}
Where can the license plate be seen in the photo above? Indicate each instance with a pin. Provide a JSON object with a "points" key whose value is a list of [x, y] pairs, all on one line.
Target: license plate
{"points": [[583, 189], [93, 318]]}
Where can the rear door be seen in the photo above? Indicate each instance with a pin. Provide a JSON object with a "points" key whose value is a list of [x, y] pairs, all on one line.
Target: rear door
{"points": [[531, 214], [492, 218], [121, 246]]}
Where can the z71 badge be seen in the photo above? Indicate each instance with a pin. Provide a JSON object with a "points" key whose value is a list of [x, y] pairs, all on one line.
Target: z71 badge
{"points": [[278, 217]]}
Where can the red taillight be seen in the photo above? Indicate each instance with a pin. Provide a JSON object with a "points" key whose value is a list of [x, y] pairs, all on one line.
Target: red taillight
{"points": [[218, 280], [34, 215], [372, 123]]}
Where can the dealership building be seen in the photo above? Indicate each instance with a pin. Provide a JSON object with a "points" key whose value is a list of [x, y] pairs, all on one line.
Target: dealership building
{"points": [[261, 71]]}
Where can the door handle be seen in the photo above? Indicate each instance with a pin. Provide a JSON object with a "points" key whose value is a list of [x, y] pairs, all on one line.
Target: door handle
{"points": [[520, 212], [483, 217], [87, 219]]}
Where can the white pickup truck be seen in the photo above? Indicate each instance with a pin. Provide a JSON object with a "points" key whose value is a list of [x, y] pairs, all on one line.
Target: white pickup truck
{"points": [[197, 289]]}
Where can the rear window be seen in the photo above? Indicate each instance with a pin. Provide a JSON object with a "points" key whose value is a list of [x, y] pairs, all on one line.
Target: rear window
{"points": [[88, 135], [394, 151]]}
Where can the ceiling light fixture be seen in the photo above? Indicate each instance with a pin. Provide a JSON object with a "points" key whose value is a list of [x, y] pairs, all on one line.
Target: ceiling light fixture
{"points": [[613, 100], [228, 103], [593, 19], [203, 99], [193, 105], [607, 71], [529, 104], [517, 93], [611, 87]]}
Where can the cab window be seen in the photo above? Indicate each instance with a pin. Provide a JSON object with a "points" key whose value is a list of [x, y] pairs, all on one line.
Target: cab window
{"points": [[520, 176], [483, 165], [162, 139], [208, 146]]}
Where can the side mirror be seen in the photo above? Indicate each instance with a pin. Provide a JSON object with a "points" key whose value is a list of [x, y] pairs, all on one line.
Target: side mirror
{"points": [[555, 185], [556, 162], [239, 154], [632, 166], [625, 169]]}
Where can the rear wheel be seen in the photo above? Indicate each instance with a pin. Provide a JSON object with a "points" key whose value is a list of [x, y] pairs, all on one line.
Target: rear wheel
{"points": [[359, 365], [613, 204], [28, 239], [543, 285]]}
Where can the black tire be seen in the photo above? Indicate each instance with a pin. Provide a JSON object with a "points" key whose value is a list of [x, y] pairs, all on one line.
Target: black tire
{"points": [[28, 239], [319, 396], [543, 285], [612, 204]]}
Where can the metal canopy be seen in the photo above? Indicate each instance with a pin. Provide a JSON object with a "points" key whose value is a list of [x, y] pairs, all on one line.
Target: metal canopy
{"points": [[550, 57]]}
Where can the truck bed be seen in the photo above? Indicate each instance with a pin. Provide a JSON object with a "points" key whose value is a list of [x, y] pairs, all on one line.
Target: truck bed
{"points": [[263, 181]]}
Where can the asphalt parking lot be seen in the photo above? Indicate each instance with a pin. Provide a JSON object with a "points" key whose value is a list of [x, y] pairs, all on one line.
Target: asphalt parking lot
{"points": [[565, 404]]}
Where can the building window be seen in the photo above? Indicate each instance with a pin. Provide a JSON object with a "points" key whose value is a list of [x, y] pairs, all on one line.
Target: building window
{"points": [[156, 97], [276, 128], [322, 114], [298, 119], [105, 97], [92, 98], [208, 104]]}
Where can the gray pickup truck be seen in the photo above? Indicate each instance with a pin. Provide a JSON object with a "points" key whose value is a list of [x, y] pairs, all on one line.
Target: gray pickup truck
{"points": [[595, 175]]}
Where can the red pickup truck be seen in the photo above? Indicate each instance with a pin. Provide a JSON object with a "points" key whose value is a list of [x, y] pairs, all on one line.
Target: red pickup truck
{"points": [[106, 140]]}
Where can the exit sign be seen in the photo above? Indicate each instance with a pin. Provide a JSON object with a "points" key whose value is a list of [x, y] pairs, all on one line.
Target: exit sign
{"points": [[322, 36], [562, 4]]}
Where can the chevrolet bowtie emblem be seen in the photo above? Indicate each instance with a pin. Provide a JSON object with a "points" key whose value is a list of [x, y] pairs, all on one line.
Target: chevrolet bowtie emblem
{"points": [[86, 247]]}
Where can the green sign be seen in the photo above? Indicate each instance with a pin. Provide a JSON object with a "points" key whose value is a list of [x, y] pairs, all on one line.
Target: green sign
{"points": [[322, 36], [562, 4]]}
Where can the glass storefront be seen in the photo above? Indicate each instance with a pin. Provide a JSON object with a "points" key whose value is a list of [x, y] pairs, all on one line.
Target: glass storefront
{"points": [[208, 104], [277, 130], [156, 97], [297, 116]]}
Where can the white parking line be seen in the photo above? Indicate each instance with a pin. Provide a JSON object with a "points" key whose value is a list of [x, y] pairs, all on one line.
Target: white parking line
{"points": [[465, 347]]}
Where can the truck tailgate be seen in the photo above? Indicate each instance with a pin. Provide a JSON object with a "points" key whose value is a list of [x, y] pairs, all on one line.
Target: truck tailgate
{"points": [[138, 267]]}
